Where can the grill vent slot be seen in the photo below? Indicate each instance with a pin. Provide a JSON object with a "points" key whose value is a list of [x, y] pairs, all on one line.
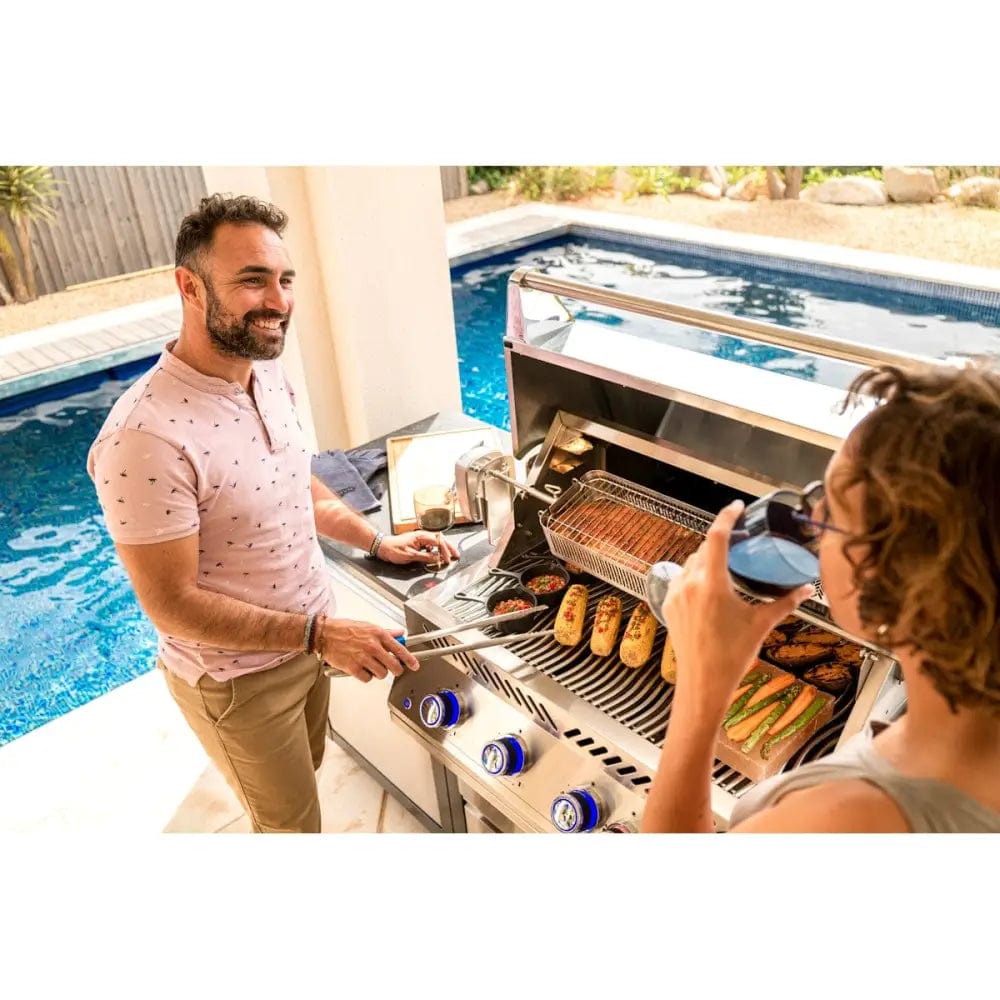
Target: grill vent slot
{"points": [[598, 751]]}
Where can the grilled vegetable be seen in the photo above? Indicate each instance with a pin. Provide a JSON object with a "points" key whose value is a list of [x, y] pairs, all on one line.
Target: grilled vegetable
{"points": [[739, 718], [848, 654], [607, 621], [637, 643], [800, 723], [572, 611], [800, 654], [778, 683], [753, 717], [758, 682], [815, 635], [796, 708], [774, 638], [829, 676], [668, 662], [775, 712]]}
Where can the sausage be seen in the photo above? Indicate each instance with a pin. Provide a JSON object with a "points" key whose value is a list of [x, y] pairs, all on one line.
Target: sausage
{"points": [[607, 621], [637, 643], [668, 663], [572, 611]]}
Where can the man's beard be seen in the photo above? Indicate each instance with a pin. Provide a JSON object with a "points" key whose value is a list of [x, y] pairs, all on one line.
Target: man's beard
{"points": [[237, 338]]}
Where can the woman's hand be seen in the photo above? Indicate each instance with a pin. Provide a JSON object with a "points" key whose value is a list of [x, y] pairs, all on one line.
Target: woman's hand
{"points": [[417, 546], [715, 633]]}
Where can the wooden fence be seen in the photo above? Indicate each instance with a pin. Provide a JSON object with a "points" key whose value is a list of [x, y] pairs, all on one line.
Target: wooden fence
{"points": [[111, 221]]}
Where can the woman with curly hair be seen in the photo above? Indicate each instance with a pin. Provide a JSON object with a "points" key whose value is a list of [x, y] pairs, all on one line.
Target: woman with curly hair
{"points": [[914, 566]]}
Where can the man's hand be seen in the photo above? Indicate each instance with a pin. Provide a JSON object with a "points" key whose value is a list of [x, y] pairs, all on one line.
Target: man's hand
{"points": [[417, 546], [363, 650], [715, 633]]}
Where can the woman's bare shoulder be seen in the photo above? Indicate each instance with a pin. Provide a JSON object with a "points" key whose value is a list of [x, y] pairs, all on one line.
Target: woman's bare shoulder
{"points": [[848, 806]]}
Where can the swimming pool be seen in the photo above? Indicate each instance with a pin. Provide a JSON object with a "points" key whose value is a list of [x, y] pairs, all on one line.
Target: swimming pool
{"points": [[70, 627], [873, 314]]}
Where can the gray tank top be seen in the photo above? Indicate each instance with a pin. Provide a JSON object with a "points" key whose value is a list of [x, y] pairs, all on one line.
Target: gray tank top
{"points": [[928, 806]]}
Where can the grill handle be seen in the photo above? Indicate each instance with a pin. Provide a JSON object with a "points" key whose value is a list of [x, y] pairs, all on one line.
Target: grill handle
{"points": [[703, 319]]}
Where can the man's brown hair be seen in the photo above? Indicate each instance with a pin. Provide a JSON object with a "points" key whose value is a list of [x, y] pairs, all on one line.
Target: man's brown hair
{"points": [[197, 229]]}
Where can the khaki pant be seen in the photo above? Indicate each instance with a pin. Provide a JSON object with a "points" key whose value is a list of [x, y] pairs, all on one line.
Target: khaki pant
{"points": [[266, 733]]}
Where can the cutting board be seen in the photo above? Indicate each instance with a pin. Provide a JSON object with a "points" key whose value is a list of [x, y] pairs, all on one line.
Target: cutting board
{"points": [[416, 460]]}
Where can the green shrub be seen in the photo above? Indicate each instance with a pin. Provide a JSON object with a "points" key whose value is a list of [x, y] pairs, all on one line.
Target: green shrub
{"points": [[659, 180], [562, 183], [496, 177]]}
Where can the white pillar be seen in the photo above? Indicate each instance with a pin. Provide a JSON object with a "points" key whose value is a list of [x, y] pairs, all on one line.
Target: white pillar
{"points": [[374, 332]]}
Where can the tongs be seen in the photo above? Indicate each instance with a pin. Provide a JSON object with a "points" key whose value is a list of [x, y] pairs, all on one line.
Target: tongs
{"points": [[467, 647], [421, 637]]}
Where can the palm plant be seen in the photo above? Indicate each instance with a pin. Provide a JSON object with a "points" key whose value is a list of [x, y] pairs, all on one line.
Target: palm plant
{"points": [[25, 196]]}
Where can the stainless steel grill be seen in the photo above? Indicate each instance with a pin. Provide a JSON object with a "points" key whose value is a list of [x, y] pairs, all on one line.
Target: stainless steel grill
{"points": [[654, 457]]}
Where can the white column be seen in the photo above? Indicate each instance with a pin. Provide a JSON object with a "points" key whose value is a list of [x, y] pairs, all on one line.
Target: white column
{"points": [[374, 332]]}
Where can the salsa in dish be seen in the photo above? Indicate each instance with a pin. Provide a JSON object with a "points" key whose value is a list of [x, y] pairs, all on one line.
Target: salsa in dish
{"points": [[545, 583], [513, 604]]}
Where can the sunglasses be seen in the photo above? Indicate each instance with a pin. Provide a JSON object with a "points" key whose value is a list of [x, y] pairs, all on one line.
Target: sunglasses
{"points": [[802, 507]]}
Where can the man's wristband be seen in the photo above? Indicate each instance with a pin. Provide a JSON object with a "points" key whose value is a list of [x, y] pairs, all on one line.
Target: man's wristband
{"points": [[376, 542]]}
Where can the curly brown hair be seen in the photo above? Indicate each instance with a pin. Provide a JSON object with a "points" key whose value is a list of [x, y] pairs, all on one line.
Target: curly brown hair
{"points": [[928, 460], [198, 227]]}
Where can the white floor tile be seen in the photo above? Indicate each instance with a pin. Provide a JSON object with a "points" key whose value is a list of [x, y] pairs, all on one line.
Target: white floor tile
{"points": [[350, 800], [208, 806], [395, 819]]}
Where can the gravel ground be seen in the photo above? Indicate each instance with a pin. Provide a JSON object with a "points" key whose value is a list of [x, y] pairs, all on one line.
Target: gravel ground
{"points": [[935, 232]]}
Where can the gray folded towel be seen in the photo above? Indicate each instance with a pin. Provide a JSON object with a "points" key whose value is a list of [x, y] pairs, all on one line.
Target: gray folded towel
{"points": [[348, 473]]}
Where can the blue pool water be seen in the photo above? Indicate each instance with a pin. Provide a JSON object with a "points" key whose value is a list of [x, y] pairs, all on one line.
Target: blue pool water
{"points": [[907, 322], [70, 628]]}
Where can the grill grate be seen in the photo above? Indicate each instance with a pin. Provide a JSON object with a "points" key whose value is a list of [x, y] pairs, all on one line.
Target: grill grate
{"points": [[616, 530], [637, 699]]}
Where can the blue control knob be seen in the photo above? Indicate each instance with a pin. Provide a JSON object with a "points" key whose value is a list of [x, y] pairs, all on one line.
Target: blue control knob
{"points": [[578, 811], [441, 711], [505, 756]]}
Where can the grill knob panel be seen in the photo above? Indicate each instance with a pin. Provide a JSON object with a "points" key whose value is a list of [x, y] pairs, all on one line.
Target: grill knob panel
{"points": [[504, 756], [443, 710], [578, 811]]}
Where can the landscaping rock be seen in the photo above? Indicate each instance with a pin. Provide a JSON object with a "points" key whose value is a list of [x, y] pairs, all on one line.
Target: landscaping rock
{"points": [[480, 187], [717, 176], [748, 188], [910, 184], [981, 191], [847, 191], [708, 190]]}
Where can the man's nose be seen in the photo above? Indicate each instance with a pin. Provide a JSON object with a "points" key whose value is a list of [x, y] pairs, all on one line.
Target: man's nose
{"points": [[278, 299]]}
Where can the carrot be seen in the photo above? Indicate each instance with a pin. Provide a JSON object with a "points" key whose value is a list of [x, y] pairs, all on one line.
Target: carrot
{"points": [[796, 708], [741, 691], [779, 683], [743, 729]]}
